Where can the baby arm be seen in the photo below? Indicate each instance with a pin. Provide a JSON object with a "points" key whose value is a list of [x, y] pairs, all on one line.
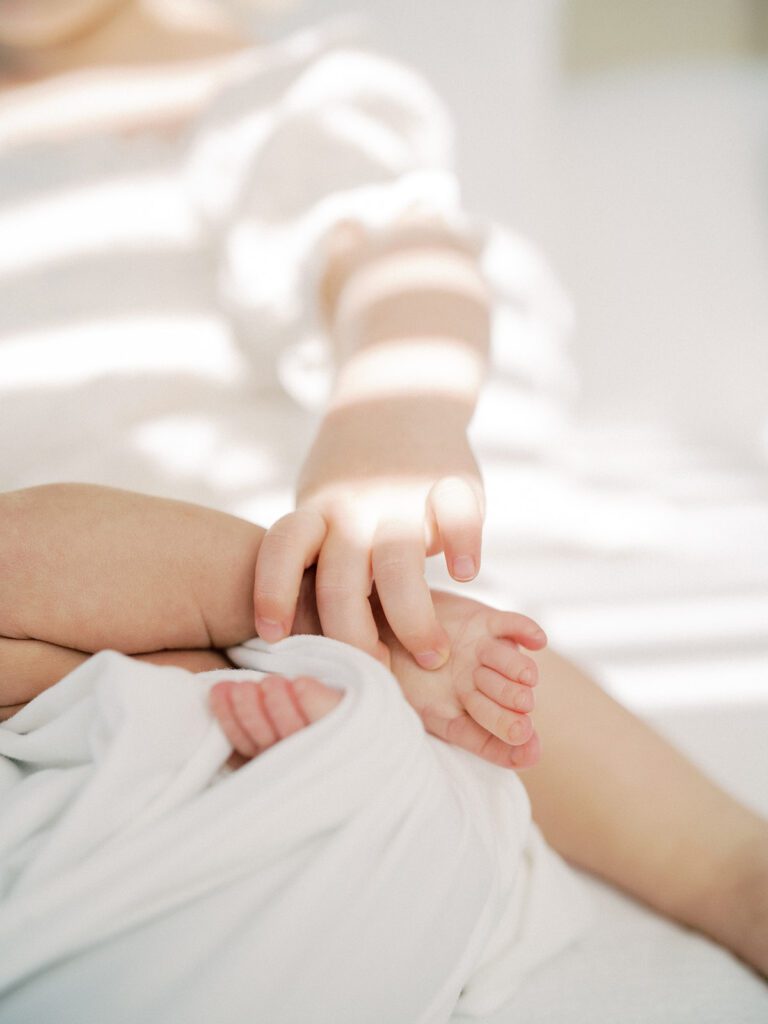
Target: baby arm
{"points": [[390, 478], [84, 568]]}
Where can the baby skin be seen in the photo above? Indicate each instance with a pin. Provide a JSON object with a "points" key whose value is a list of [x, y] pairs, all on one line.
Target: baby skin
{"points": [[86, 568], [256, 716], [487, 679]]}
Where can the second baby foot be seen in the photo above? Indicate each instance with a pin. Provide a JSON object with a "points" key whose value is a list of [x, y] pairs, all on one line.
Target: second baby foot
{"points": [[256, 715], [482, 697]]}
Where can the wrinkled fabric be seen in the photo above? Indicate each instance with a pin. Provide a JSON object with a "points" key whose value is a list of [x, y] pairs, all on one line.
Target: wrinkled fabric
{"points": [[358, 870]]}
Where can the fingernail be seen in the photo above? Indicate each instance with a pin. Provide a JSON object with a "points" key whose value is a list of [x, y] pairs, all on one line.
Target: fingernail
{"points": [[464, 567], [270, 630], [540, 635], [431, 659], [526, 676]]}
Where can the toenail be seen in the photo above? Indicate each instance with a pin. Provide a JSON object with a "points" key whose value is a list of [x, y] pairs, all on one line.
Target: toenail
{"points": [[516, 732], [524, 701], [464, 567], [270, 630]]}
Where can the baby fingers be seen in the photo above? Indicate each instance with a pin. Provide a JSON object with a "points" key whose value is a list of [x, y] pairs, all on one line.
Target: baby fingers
{"points": [[398, 568], [342, 588], [459, 516], [287, 549]]}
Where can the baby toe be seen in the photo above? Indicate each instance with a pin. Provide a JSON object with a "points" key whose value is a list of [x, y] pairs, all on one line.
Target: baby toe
{"points": [[250, 712], [505, 657], [526, 755], [518, 628], [283, 711], [512, 695], [315, 698], [519, 730], [510, 726], [222, 707]]}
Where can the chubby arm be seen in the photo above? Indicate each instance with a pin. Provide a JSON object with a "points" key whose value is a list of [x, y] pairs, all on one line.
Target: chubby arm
{"points": [[87, 568], [390, 478], [84, 568]]}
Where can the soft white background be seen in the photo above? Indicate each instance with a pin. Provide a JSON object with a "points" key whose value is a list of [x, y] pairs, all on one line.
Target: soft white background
{"points": [[646, 184]]}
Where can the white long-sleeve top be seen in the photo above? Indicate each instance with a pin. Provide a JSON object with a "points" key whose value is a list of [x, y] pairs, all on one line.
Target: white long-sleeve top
{"points": [[158, 317]]}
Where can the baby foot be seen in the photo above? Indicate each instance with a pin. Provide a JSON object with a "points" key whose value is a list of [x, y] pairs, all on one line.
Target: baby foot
{"points": [[482, 697], [255, 716]]}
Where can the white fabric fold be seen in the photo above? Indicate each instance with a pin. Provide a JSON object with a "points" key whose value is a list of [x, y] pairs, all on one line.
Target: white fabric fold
{"points": [[358, 870]]}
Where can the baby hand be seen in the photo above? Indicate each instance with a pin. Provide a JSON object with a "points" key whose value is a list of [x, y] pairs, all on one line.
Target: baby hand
{"points": [[370, 510]]}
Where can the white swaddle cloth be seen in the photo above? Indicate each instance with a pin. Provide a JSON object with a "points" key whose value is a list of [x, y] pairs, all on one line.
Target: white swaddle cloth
{"points": [[358, 870]]}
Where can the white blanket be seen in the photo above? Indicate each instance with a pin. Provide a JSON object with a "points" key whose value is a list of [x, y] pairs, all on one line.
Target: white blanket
{"points": [[358, 870]]}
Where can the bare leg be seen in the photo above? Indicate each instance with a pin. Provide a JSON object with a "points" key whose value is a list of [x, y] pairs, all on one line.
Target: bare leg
{"points": [[616, 799]]}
